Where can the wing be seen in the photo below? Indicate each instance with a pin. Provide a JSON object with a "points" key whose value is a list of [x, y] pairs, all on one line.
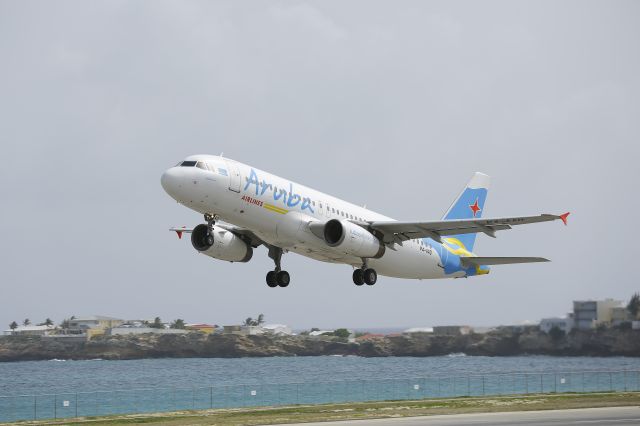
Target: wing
{"points": [[481, 261], [249, 236], [397, 232]]}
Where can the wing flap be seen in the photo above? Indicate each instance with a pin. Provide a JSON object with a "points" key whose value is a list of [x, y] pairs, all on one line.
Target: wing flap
{"points": [[479, 261]]}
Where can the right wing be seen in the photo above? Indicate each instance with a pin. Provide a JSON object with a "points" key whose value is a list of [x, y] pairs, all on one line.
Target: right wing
{"points": [[397, 232]]}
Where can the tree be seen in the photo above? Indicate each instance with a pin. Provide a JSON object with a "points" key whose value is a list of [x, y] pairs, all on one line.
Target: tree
{"points": [[26, 322], [178, 324], [342, 333], [260, 319], [248, 321], [157, 323], [634, 305], [13, 326], [48, 322], [556, 334]]}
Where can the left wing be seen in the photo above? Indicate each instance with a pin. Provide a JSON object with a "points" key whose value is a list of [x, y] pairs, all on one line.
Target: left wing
{"points": [[397, 232], [252, 239]]}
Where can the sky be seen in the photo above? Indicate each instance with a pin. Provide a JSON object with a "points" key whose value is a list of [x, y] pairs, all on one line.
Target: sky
{"points": [[389, 104]]}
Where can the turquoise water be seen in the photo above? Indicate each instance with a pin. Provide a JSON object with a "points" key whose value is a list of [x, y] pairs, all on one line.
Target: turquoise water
{"points": [[48, 389]]}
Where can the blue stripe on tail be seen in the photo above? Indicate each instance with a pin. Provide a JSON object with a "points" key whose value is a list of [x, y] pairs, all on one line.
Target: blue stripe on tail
{"points": [[469, 205]]}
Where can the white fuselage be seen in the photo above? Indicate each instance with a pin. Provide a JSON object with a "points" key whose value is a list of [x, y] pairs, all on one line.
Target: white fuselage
{"points": [[279, 212]]}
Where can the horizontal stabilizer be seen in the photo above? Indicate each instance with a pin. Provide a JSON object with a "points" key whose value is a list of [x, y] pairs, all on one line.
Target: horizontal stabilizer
{"points": [[478, 261]]}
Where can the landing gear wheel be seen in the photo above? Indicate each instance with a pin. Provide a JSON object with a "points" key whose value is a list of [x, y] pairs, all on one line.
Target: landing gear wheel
{"points": [[271, 279], [358, 277], [370, 276], [283, 278]]}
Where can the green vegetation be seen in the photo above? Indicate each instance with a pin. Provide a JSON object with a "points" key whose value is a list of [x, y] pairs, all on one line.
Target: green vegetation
{"points": [[178, 324], [254, 322], [342, 333], [634, 305], [366, 410], [556, 334], [13, 325], [157, 323], [26, 322]]}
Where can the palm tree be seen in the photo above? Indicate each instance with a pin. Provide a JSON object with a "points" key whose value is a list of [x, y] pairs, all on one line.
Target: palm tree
{"points": [[13, 326], [634, 305], [157, 323], [248, 321], [179, 324], [260, 319], [26, 322], [48, 322]]}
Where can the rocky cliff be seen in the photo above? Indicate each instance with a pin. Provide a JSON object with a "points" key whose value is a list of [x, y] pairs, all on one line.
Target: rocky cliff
{"points": [[499, 343]]}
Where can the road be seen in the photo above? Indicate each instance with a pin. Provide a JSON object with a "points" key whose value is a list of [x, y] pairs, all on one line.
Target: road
{"points": [[585, 416]]}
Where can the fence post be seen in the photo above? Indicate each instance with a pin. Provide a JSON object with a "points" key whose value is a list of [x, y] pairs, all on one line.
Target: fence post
{"points": [[211, 397], [55, 406], [35, 407], [76, 404], [297, 393], [541, 384], [555, 383], [468, 385], [483, 385], [610, 382], [526, 381]]}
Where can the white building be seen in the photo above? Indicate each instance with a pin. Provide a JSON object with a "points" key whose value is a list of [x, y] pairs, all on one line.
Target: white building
{"points": [[30, 330], [565, 324], [277, 329], [418, 330], [122, 331], [94, 322]]}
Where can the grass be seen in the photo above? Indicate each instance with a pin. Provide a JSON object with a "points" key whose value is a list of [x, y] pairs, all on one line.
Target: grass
{"points": [[362, 410]]}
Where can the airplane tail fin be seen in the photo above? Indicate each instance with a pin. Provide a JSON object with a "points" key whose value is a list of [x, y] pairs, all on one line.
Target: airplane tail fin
{"points": [[469, 205]]}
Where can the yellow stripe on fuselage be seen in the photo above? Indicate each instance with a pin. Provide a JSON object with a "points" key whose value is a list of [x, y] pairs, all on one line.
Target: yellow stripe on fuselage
{"points": [[275, 209]]}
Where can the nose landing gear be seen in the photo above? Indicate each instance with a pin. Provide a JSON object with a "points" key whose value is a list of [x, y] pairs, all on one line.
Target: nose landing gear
{"points": [[277, 277]]}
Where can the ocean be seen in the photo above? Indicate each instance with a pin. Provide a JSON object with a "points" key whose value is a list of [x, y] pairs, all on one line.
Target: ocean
{"points": [[38, 377], [66, 389]]}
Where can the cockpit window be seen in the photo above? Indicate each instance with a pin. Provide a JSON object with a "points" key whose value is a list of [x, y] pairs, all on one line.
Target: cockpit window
{"points": [[188, 163], [201, 165]]}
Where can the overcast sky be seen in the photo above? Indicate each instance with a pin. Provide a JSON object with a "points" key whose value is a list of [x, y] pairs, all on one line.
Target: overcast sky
{"points": [[392, 104]]}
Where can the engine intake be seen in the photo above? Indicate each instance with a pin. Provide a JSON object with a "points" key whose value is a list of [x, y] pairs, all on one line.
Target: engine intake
{"points": [[351, 239], [225, 245]]}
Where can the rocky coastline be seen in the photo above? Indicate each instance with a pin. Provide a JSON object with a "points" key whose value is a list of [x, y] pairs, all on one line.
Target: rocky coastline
{"points": [[609, 342]]}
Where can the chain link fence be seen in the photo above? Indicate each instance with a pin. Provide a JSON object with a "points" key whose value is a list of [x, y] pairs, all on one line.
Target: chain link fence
{"points": [[81, 404]]}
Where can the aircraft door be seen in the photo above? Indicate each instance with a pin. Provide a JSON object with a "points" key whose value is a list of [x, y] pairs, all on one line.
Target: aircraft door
{"points": [[234, 175]]}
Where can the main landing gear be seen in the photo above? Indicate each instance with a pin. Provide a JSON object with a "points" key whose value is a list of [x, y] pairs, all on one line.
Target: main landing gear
{"points": [[277, 277], [210, 222], [365, 275]]}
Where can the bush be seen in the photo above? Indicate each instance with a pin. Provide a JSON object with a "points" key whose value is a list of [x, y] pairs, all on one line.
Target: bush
{"points": [[556, 334]]}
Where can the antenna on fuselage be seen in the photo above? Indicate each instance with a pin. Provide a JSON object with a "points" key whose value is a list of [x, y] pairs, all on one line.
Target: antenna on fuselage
{"points": [[222, 154]]}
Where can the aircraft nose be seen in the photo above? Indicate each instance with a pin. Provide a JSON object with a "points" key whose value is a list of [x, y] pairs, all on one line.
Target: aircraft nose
{"points": [[170, 181]]}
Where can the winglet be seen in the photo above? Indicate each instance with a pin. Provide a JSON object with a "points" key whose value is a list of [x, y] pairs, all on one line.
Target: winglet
{"points": [[564, 217]]}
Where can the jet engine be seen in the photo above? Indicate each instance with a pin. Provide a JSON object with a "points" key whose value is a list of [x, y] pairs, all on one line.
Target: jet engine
{"points": [[351, 239], [225, 245]]}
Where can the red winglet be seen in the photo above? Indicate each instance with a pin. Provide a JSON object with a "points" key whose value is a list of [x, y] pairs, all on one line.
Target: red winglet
{"points": [[564, 217], [179, 234]]}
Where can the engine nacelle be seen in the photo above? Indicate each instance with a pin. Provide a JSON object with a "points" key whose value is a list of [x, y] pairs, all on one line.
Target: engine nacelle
{"points": [[226, 245], [351, 239]]}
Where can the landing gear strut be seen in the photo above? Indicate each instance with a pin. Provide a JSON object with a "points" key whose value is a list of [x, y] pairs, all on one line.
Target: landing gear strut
{"points": [[277, 277], [210, 222], [365, 275]]}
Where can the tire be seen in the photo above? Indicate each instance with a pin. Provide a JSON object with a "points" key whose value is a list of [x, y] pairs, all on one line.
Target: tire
{"points": [[370, 276], [358, 277], [271, 279], [283, 278]]}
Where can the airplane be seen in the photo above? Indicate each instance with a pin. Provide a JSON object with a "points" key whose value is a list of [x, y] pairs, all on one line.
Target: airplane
{"points": [[245, 207]]}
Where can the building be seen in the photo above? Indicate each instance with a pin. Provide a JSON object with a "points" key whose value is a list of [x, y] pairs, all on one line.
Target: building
{"points": [[452, 330], [123, 331], [243, 330], [418, 330], [277, 329], [203, 328], [635, 325], [589, 314], [620, 315], [565, 324], [31, 330], [93, 322]]}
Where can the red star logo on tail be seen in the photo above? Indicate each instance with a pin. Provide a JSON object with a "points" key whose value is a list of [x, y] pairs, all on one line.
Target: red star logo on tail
{"points": [[474, 208]]}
